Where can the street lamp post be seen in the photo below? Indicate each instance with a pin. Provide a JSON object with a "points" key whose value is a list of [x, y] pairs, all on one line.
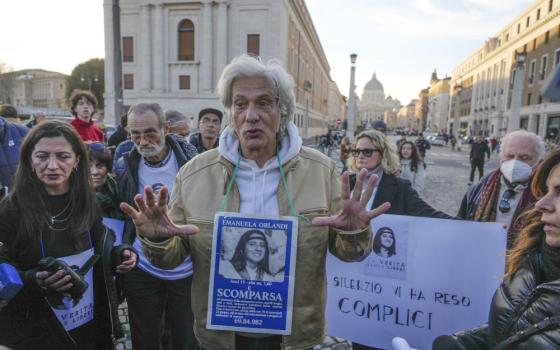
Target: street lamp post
{"points": [[515, 111], [351, 124], [90, 80]]}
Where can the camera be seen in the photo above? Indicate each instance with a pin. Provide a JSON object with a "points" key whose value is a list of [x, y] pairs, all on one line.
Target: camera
{"points": [[77, 275]]}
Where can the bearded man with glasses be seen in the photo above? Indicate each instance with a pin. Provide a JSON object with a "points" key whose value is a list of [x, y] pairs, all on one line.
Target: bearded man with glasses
{"points": [[504, 194]]}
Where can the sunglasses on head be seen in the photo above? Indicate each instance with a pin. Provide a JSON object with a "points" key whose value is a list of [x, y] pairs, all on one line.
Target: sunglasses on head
{"points": [[96, 146], [504, 206], [367, 152]]}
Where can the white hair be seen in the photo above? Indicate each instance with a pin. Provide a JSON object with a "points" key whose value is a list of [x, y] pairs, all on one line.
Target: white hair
{"points": [[280, 81], [537, 141]]}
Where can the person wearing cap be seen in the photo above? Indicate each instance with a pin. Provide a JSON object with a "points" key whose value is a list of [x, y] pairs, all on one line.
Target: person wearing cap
{"points": [[207, 137], [380, 126], [11, 137]]}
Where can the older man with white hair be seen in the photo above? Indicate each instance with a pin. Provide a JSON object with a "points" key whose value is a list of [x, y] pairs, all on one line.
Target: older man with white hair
{"points": [[504, 194], [260, 169]]}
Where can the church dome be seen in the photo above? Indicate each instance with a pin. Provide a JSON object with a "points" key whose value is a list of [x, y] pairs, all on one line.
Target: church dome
{"points": [[373, 84]]}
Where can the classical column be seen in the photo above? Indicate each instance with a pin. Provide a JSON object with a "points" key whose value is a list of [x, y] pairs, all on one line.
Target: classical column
{"points": [[158, 51], [222, 44], [206, 58], [109, 94], [543, 125], [531, 124], [145, 56]]}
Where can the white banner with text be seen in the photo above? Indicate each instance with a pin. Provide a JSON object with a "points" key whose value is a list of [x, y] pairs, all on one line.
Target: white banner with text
{"points": [[424, 278]]}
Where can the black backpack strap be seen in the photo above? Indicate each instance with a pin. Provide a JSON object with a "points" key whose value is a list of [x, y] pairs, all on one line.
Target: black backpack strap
{"points": [[534, 329]]}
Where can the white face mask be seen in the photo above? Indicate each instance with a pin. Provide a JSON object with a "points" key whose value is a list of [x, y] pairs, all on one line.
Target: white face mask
{"points": [[516, 171]]}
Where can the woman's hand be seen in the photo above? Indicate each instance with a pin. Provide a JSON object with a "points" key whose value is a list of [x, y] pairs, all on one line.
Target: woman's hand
{"points": [[128, 262], [354, 214], [57, 282], [152, 220]]}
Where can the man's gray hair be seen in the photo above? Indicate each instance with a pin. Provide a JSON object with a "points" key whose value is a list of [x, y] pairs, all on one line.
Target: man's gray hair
{"points": [[142, 108], [175, 118], [537, 141], [280, 81]]}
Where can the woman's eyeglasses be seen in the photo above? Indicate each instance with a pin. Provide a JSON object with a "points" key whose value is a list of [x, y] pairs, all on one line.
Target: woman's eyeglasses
{"points": [[504, 206], [96, 146], [367, 152]]}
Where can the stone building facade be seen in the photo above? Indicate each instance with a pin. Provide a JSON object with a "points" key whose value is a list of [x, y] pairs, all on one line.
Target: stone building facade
{"points": [[481, 86], [34, 90], [173, 53]]}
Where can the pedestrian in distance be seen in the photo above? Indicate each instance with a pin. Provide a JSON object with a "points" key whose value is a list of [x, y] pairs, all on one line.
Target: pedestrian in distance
{"points": [[51, 218], [524, 313], [261, 148], [504, 194], [345, 149], [82, 106], [412, 167], [453, 141], [423, 145], [478, 149]]}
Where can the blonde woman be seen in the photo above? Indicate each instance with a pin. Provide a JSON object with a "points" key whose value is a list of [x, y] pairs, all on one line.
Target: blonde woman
{"points": [[374, 153]]}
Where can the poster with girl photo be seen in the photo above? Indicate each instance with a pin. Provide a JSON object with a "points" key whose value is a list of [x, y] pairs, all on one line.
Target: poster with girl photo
{"points": [[390, 249], [252, 273]]}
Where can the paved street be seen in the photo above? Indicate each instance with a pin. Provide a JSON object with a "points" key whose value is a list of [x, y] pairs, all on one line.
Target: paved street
{"points": [[446, 183]]}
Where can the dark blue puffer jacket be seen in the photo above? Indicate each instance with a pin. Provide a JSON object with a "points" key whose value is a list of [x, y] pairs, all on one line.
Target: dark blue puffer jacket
{"points": [[11, 137]]}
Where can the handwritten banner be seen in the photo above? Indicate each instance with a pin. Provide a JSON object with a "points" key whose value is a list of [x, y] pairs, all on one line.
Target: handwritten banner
{"points": [[424, 277]]}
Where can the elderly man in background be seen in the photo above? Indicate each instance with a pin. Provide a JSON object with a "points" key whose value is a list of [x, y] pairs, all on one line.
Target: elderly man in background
{"points": [[154, 162], [178, 124], [504, 194], [261, 149], [207, 137]]}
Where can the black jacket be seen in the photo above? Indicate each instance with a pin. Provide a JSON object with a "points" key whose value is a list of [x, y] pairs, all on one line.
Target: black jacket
{"points": [[118, 136], [29, 313], [520, 303], [403, 198], [196, 140], [477, 152], [126, 170]]}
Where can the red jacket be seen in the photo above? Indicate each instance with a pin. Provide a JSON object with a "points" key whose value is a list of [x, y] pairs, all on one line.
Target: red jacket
{"points": [[88, 131]]}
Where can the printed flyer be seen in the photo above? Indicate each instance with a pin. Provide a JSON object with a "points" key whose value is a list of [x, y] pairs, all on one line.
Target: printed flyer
{"points": [[252, 273]]}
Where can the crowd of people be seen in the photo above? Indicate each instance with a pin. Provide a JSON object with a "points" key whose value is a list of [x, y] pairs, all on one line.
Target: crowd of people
{"points": [[167, 184]]}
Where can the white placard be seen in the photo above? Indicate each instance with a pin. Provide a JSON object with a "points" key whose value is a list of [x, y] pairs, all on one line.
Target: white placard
{"points": [[425, 277]]}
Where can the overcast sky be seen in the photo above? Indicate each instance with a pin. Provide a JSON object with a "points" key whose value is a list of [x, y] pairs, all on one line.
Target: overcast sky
{"points": [[401, 40]]}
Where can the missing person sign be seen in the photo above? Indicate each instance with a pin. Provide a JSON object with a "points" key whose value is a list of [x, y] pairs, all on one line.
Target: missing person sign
{"points": [[425, 277], [252, 273]]}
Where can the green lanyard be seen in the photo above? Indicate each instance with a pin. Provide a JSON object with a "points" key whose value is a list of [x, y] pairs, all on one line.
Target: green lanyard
{"points": [[293, 210]]}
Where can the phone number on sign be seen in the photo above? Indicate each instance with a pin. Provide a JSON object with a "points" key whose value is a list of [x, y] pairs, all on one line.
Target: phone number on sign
{"points": [[247, 321]]}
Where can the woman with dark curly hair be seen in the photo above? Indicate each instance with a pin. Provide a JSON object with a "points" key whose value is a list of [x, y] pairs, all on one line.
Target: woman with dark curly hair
{"points": [[413, 168], [384, 244], [250, 259], [525, 310]]}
